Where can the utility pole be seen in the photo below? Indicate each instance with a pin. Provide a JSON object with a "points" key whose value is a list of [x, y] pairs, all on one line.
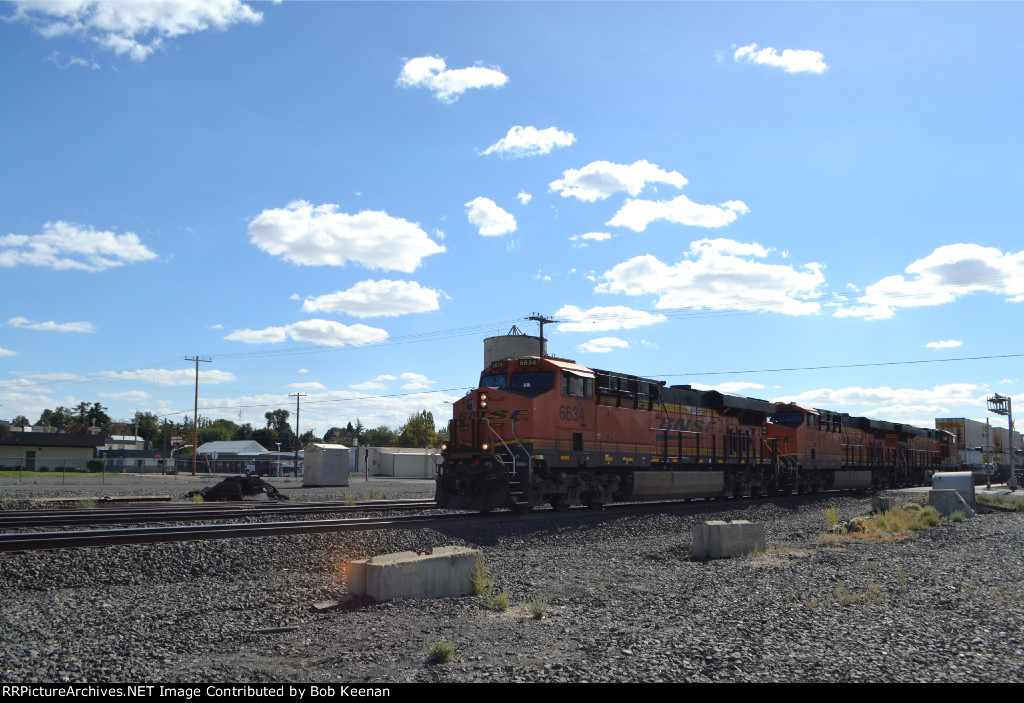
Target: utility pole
{"points": [[298, 397], [1003, 405], [195, 415], [537, 317]]}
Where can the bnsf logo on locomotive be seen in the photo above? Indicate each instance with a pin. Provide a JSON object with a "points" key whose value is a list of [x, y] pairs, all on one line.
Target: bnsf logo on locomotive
{"points": [[685, 425], [494, 415]]}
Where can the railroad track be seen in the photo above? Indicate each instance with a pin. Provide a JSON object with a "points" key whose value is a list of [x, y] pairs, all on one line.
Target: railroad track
{"points": [[31, 541], [143, 514]]}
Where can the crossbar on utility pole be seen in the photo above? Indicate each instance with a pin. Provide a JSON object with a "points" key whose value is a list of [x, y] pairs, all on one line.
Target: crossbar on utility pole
{"points": [[298, 397], [195, 415]]}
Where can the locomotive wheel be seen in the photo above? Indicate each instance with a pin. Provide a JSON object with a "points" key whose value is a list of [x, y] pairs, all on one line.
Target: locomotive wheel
{"points": [[559, 503], [522, 508]]}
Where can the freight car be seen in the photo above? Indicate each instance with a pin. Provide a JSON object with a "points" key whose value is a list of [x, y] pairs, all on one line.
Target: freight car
{"points": [[541, 429]]}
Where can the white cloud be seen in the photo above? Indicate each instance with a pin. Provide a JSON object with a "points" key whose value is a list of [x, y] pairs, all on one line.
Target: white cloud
{"points": [[415, 381], [324, 332], [791, 60], [447, 85], [590, 237], [716, 276], [127, 396], [317, 236], [637, 214], [600, 179], [51, 326], [308, 386], [604, 319], [368, 386], [174, 377], [530, 141], [601, 345], [733, 387], [7, 352], [524, 197], [911, 405], [133, 28], [949, 272], [490, 219], [56, 59], [65, 245], [53, 376], [948, 344], [377, 298], [303, 370]]}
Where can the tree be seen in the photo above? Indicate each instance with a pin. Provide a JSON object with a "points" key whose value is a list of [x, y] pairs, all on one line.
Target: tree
{"points": [[380, 437], [20, 420], [214, 433], [277, 420], [243, 432], [418, 431]]}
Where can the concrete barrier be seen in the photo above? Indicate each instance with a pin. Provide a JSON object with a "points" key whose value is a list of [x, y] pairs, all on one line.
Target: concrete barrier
{"points": [[880, 505], [720, 540], [960, 481], [947, 501], [443, 573]]}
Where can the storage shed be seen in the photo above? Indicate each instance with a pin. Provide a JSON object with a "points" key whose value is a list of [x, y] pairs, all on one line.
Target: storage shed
{"points": [[325, 465]]}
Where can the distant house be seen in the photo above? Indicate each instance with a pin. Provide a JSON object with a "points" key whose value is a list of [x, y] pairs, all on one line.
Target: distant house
{"points": [[233, 456], [45, 451], [117, 441]]}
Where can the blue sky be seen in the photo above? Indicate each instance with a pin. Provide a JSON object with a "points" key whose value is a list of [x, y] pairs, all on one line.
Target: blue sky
{"points": [[344, 199]]}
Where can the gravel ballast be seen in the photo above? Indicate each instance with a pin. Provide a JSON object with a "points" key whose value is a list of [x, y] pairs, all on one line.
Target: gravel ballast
{"points": [[622, 600]]}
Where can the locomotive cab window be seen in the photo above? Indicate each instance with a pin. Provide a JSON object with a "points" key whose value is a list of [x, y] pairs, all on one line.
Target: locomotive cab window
{"points": [[531, 383], [493, 381], [789, 419], [577, 386]]}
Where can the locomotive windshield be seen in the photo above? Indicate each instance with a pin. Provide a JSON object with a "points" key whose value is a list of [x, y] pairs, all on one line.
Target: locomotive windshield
{"points": [[493, 381], [531, 383], [789, 419]]}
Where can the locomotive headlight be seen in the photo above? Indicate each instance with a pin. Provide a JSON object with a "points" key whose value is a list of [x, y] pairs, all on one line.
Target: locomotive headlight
{"points": [[483, 401], [484, 447], [444, 446]]}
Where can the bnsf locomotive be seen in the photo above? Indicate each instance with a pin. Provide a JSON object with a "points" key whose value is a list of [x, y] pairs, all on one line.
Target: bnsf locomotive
{"points": [[540, 429]]}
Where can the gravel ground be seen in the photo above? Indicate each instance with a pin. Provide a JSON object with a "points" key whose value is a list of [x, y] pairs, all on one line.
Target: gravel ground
{"points": [[624, 602]]}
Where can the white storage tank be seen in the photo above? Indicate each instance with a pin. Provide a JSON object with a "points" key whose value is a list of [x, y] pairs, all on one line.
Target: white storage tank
{"points": [[513, 346]]}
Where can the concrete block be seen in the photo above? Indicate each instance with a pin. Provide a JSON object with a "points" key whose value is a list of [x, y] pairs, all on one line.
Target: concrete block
{"points": [[720, 540], [443, 573], [880, 505], [947, 501], [960, 481]]}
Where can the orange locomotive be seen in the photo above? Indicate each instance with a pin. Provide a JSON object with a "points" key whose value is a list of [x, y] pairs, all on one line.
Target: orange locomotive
{"points": [[541, 429]]}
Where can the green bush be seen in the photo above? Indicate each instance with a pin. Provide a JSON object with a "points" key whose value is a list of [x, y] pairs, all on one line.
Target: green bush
{"points": [[94, 465], [481, 577], [440, 652]]}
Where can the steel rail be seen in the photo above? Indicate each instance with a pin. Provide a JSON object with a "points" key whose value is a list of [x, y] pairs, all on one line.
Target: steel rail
{"points": [[113, 516], [20, 542]]}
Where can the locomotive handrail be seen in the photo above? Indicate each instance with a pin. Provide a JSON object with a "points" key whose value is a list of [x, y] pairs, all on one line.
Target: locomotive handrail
{"points": [[507, 448]]}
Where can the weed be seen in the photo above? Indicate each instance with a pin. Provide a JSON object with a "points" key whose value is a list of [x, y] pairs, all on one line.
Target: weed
{"points": [[481, 577], [368, 496], [831, 517], [1016, 503], [197, 498], [812, 604], [383, 496], [845, 596], [829, 540], [440, 652], [875, 592], [497, 602], [958, 516], [538, 609], [87, 503], [350, 500], [901, 579]]}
